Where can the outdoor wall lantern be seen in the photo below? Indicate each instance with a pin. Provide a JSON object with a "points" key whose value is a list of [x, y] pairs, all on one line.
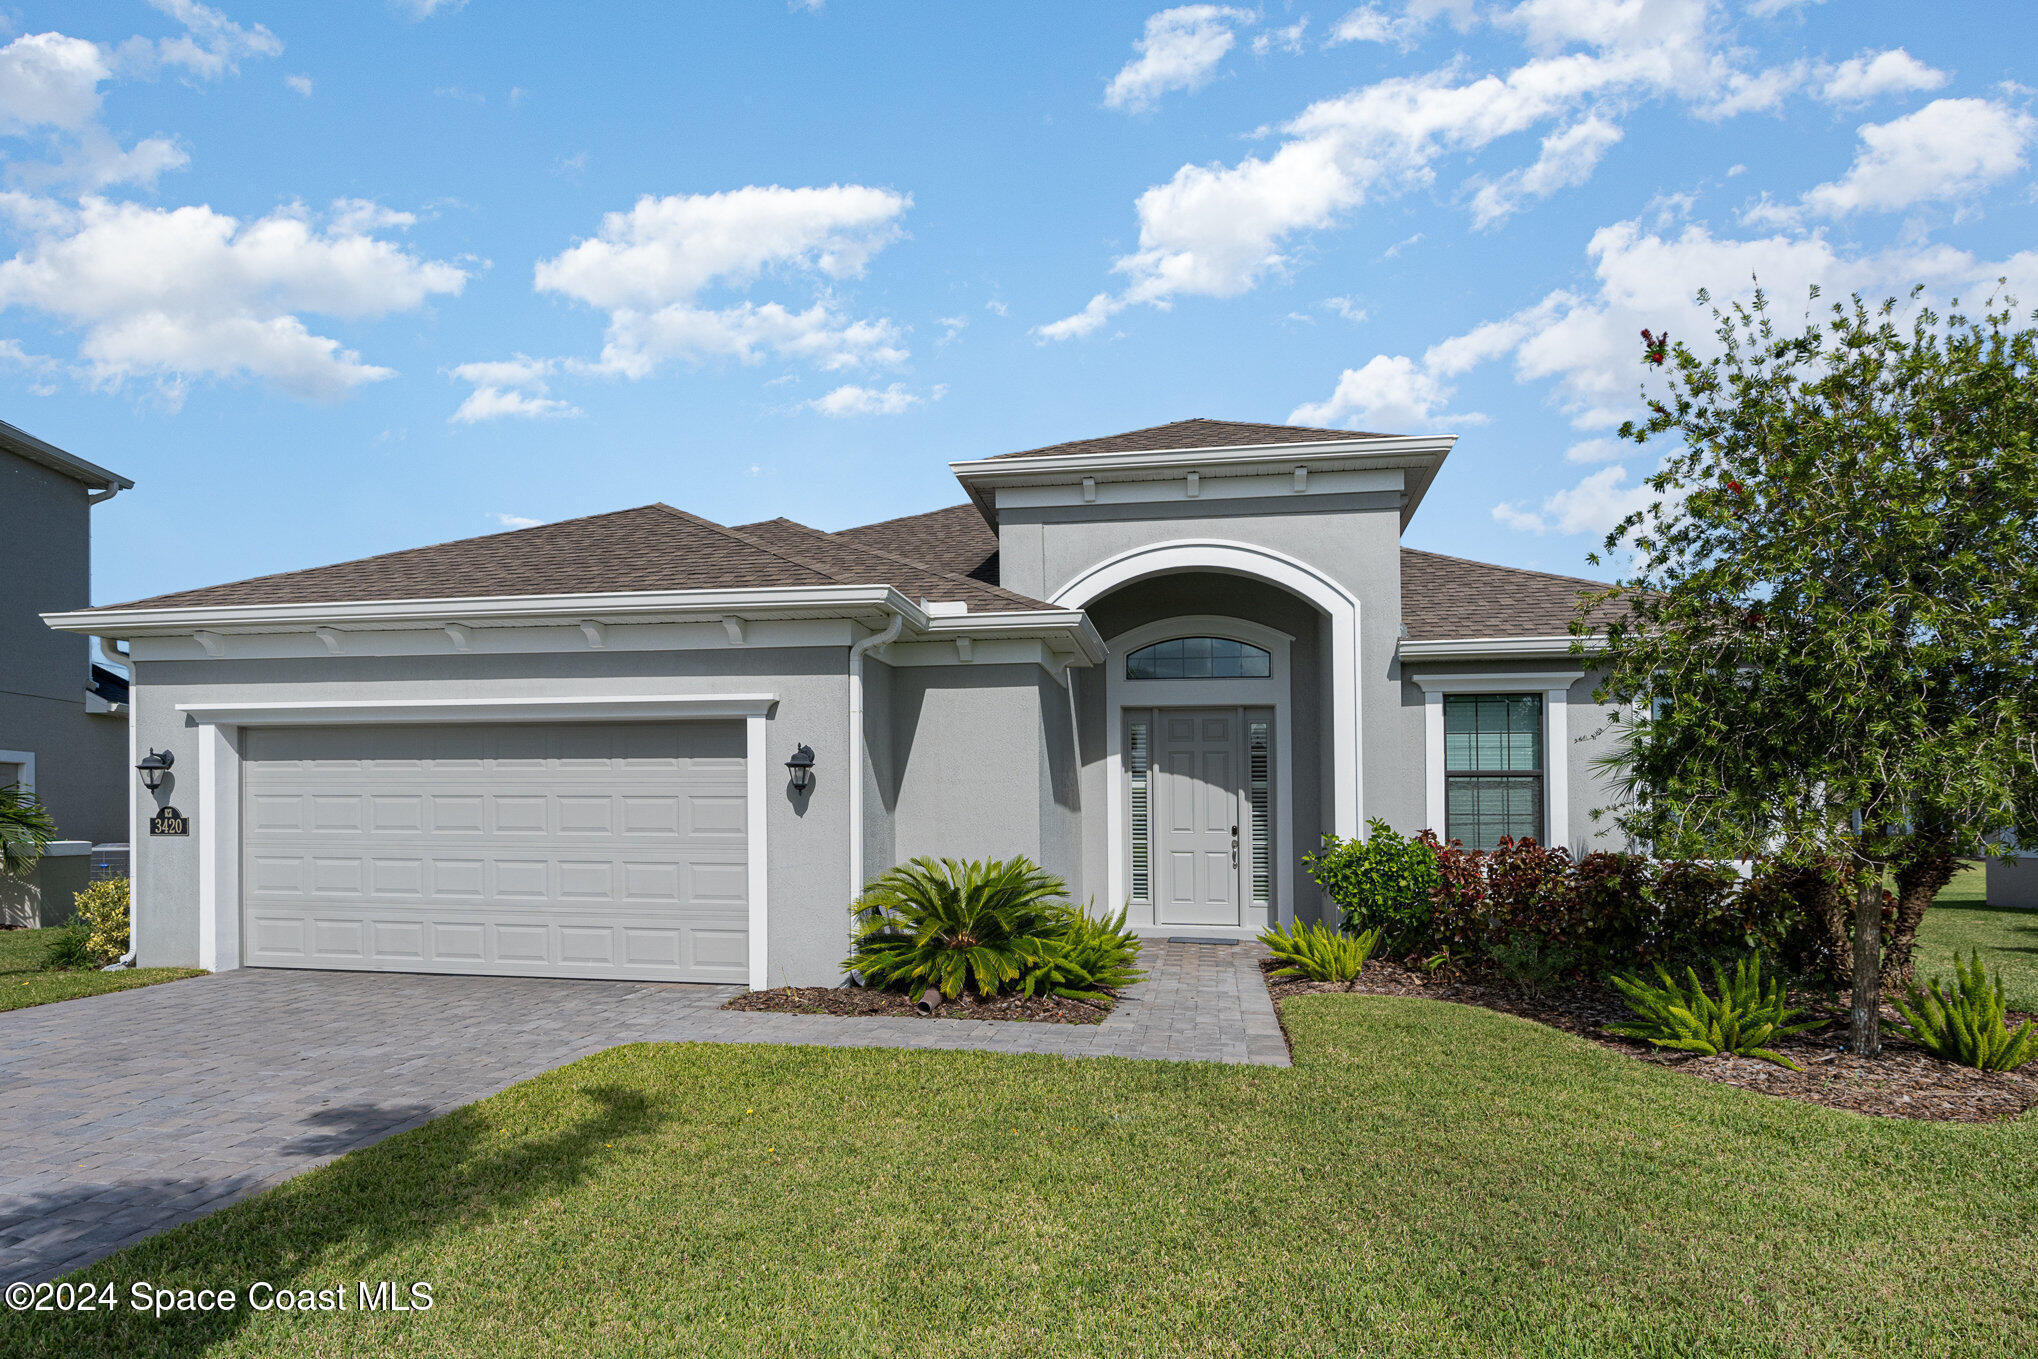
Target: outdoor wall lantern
{"points": [[801, 769], [153, 766]]}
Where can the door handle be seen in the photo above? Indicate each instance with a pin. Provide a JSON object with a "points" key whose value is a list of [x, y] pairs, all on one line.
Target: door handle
{"points": [[1234, 847]]}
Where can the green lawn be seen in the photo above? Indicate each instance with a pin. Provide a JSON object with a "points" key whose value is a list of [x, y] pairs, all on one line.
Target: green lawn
{"points": [[1429, 1179], [1960, 920], [22, 982]]}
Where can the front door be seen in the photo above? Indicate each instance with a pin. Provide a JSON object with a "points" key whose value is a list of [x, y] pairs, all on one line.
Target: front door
{"points": [[1197, 812]]}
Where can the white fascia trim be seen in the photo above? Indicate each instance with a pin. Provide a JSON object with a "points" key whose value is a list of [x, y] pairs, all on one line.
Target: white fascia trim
{"points": [[1519, 681], [847, 600], [1476, 648], [336, 712], [1071, 628]]}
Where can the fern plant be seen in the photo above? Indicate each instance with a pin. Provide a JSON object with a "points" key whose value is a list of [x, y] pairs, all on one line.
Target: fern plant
{"points": [[1319, 954], [1742, 1021], [956, 926], [1965, 1022]]}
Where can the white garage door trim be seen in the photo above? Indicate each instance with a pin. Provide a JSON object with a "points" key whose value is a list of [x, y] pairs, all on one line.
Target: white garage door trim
{"points": [[219, 781]]}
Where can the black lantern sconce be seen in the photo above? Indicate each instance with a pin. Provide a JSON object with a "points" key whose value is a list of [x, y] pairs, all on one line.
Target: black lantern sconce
{"points": [[801, 769], [153, 766]]}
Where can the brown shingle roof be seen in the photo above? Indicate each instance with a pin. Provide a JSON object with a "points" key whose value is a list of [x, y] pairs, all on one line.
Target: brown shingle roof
{"points": [[652, 547], [1450, 597], [864, 560], [1198, 433], [1441, 597], [955, 539]]}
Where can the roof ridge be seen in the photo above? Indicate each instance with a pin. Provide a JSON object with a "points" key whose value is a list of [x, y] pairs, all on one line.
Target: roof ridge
{"points": [[749, 541], [1515, 570], [941, 571]]}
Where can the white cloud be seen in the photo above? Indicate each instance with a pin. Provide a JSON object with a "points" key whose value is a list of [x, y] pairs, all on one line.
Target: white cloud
{"points": [[1951, 148], [49, 80], [853, 400], [648, 267], [1390, 395], [515, 521], [952, 326], [425, 9], [177, 294], [1178, 51], [1219, 230], [299, 83], [512, 388], [1869, 76], [211, 45], [1598, 502], [1568, 158], [1770, 9], [495, 403], [1598, 450], [1345, 307], [1287, 39]]}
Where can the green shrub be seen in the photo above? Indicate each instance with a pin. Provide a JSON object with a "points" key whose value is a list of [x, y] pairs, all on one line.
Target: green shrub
{"points": [[25, 830], [1965, 1022], [1529, 964], [69, 949], [1744, 1018], [1318, 953], [1086, 958], [1385, 882], [102, 908]]}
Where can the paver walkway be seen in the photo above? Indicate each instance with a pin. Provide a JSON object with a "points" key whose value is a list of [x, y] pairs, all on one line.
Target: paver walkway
{"points": [[125, 1114]]}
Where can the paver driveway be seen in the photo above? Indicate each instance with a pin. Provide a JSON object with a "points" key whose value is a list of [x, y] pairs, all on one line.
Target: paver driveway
{"points": [[125, 1114]]}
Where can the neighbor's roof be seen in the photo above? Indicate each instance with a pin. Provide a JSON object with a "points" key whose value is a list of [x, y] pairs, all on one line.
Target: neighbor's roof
{"points": [[1198, 433], [23, 444], [652, 547], [1441, 597]]}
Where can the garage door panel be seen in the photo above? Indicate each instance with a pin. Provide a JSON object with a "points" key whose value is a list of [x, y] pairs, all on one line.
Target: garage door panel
{"points": [[568, 850]]}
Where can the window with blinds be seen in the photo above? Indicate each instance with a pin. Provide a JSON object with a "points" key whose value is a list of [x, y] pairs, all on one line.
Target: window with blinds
{"points": [[1493, 768], [1259, 759], [1138, 801]]}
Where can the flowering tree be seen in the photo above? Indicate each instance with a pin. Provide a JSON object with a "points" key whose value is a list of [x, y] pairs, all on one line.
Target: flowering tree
{"points": [[1830, 612]]}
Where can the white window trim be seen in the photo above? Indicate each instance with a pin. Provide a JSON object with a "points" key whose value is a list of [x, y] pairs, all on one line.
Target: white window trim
{"points": [[1555, 688], [218, 800], [26, 759], [1272, 692]]}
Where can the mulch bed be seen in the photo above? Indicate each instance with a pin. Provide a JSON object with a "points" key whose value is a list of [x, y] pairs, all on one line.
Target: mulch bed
{"points": [[1904, 1082], [862, 1001]]}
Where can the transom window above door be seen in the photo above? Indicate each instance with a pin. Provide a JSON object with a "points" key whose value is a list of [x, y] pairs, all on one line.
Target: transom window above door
{"points": [[1199, 658]]}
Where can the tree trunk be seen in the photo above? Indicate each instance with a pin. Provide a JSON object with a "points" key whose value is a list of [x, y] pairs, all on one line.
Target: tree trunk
{"points": [[1918, 883], [1864, 1017]]}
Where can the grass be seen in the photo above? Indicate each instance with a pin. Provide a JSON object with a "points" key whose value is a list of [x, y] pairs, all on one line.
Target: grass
{"points": [[1960, 920], [23, 982], [1429, 1179]]}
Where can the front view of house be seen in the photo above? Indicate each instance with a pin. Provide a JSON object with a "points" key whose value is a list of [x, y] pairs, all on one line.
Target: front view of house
{"points": [[1162, 664]]}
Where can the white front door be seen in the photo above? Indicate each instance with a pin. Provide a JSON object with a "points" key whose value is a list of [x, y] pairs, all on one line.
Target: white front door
{"points": [[1199, 796]]}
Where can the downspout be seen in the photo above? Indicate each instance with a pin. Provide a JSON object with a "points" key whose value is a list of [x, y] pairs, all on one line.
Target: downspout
{"points": [[107, 645], [859, 755]]}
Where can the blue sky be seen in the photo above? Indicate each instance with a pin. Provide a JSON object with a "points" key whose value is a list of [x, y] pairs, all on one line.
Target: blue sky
{"points": [[329, 280]]}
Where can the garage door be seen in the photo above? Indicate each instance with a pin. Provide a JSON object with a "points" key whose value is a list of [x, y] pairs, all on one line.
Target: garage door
{"points": [[568, 850]]}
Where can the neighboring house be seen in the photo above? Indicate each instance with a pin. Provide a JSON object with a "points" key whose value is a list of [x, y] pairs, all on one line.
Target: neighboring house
{"points": [[63, 718], [1162, 663]]}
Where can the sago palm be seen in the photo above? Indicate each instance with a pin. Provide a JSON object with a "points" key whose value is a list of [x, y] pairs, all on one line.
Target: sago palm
{"points": [[956, 926]]}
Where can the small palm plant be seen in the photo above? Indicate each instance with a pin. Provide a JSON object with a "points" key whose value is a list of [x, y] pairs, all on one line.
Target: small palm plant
{"points": [[25, 831], [1966, 1022], [1086, 958], [1316, 953], [1743, 1021], [956, 926]]}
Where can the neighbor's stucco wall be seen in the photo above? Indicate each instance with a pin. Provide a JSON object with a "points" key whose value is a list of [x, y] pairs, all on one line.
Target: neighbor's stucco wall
{"points": [[80, 757], [985, 765], [1353, 538], [807, 838], [1588, 728]]}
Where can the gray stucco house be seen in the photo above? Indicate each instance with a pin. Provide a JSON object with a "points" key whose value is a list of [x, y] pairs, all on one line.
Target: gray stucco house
{"points": [[63, 719], [1161, 663]]}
